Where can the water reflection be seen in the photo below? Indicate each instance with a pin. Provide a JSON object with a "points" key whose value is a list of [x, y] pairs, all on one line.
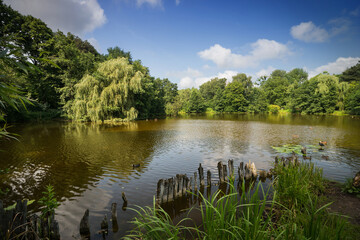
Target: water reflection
{"points": [[90, 165]]}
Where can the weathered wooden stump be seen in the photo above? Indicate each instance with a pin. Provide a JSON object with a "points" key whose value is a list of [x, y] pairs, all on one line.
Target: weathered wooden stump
{"points": [[248, 173], [221, 172], [123, 197], [231, 168], [104, 225], [160, 191], [195, 182], [166, 191], [115, 226], [356, 180], [171, 194], [225, 173], [84, 225], [190, 184], [241, 171], [201, 175], [208, 178]]}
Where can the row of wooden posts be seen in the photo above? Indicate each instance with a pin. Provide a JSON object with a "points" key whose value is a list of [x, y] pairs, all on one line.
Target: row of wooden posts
{"points": [[181, 185]]}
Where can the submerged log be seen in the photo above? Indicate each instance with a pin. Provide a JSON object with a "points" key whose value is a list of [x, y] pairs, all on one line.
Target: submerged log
{"points": [[209, 178], [84, 225], [201, 175]]}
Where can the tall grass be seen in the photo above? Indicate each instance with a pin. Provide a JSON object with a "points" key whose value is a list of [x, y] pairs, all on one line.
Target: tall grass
{"points": [[292, 211]]}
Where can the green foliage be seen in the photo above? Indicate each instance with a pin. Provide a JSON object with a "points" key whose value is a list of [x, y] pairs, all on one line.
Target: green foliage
{"points": [[274, 108], [349, 188], [155, 223], [295, 183], [48, 201]]}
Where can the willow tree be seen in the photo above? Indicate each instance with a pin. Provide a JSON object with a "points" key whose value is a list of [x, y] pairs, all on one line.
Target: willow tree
{"points": [[108, 93]]}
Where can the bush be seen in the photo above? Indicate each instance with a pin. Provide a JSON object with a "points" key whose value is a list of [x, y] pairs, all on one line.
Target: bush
{"points": [[273, 108]]}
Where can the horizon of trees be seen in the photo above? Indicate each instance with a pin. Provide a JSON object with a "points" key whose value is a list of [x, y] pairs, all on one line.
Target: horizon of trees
{"points": [[64, 76]]}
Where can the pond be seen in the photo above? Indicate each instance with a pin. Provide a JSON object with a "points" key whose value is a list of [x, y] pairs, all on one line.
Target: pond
{"points": [[90, 165]]}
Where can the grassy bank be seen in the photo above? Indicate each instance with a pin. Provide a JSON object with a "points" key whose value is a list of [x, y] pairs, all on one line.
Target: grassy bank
{"points": [[295, 208]]}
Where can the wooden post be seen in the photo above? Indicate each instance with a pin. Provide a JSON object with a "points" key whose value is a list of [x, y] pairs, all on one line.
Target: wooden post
{"points": [[225, 173], [221, 172], [195, 182], [115, 226], [180, 189], [166, 190], [248, 173], [123, 197], [104, 225], [241, 171], [190, 184], [176, 186], [231, 168], [201, 175], [160, 191], [185, 183], [209, 178], [84, 225], [171, 189]]}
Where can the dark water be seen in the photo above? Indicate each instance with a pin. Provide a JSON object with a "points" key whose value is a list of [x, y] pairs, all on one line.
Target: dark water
{"points": [[90, 165]]}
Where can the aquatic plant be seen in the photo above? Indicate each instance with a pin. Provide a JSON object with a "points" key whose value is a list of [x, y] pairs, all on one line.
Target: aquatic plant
{"points": [[350, 188], [48, 201], [289, 148]]}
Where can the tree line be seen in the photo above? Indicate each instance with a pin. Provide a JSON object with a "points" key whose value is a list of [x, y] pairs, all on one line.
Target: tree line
{"points": [[285, 91], [53, 74]]}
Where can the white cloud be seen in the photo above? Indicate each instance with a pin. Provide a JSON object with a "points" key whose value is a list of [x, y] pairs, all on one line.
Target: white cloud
{"points": [[265, 72], [308, 32], [186, 82], [339, 25], [262, 49], [189, 82], [337, 67], [177, 2], [152, 3], [75, 16]]}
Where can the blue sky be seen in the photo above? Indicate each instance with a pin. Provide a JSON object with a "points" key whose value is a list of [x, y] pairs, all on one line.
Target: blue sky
{"points": [[192, 41]]}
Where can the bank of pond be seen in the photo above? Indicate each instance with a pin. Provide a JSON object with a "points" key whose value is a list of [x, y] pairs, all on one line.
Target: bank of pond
{"points": [[296, 205]]}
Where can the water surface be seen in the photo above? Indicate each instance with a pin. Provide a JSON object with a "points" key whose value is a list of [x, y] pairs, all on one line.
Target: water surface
{"points": [[90, 165]]}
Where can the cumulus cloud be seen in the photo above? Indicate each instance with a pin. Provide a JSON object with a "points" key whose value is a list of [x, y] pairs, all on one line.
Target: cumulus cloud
{"points": [[308, 32], [189, 82], [262, 49], [265, 72], [337, 67], [76, 16], [152, 3]]}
